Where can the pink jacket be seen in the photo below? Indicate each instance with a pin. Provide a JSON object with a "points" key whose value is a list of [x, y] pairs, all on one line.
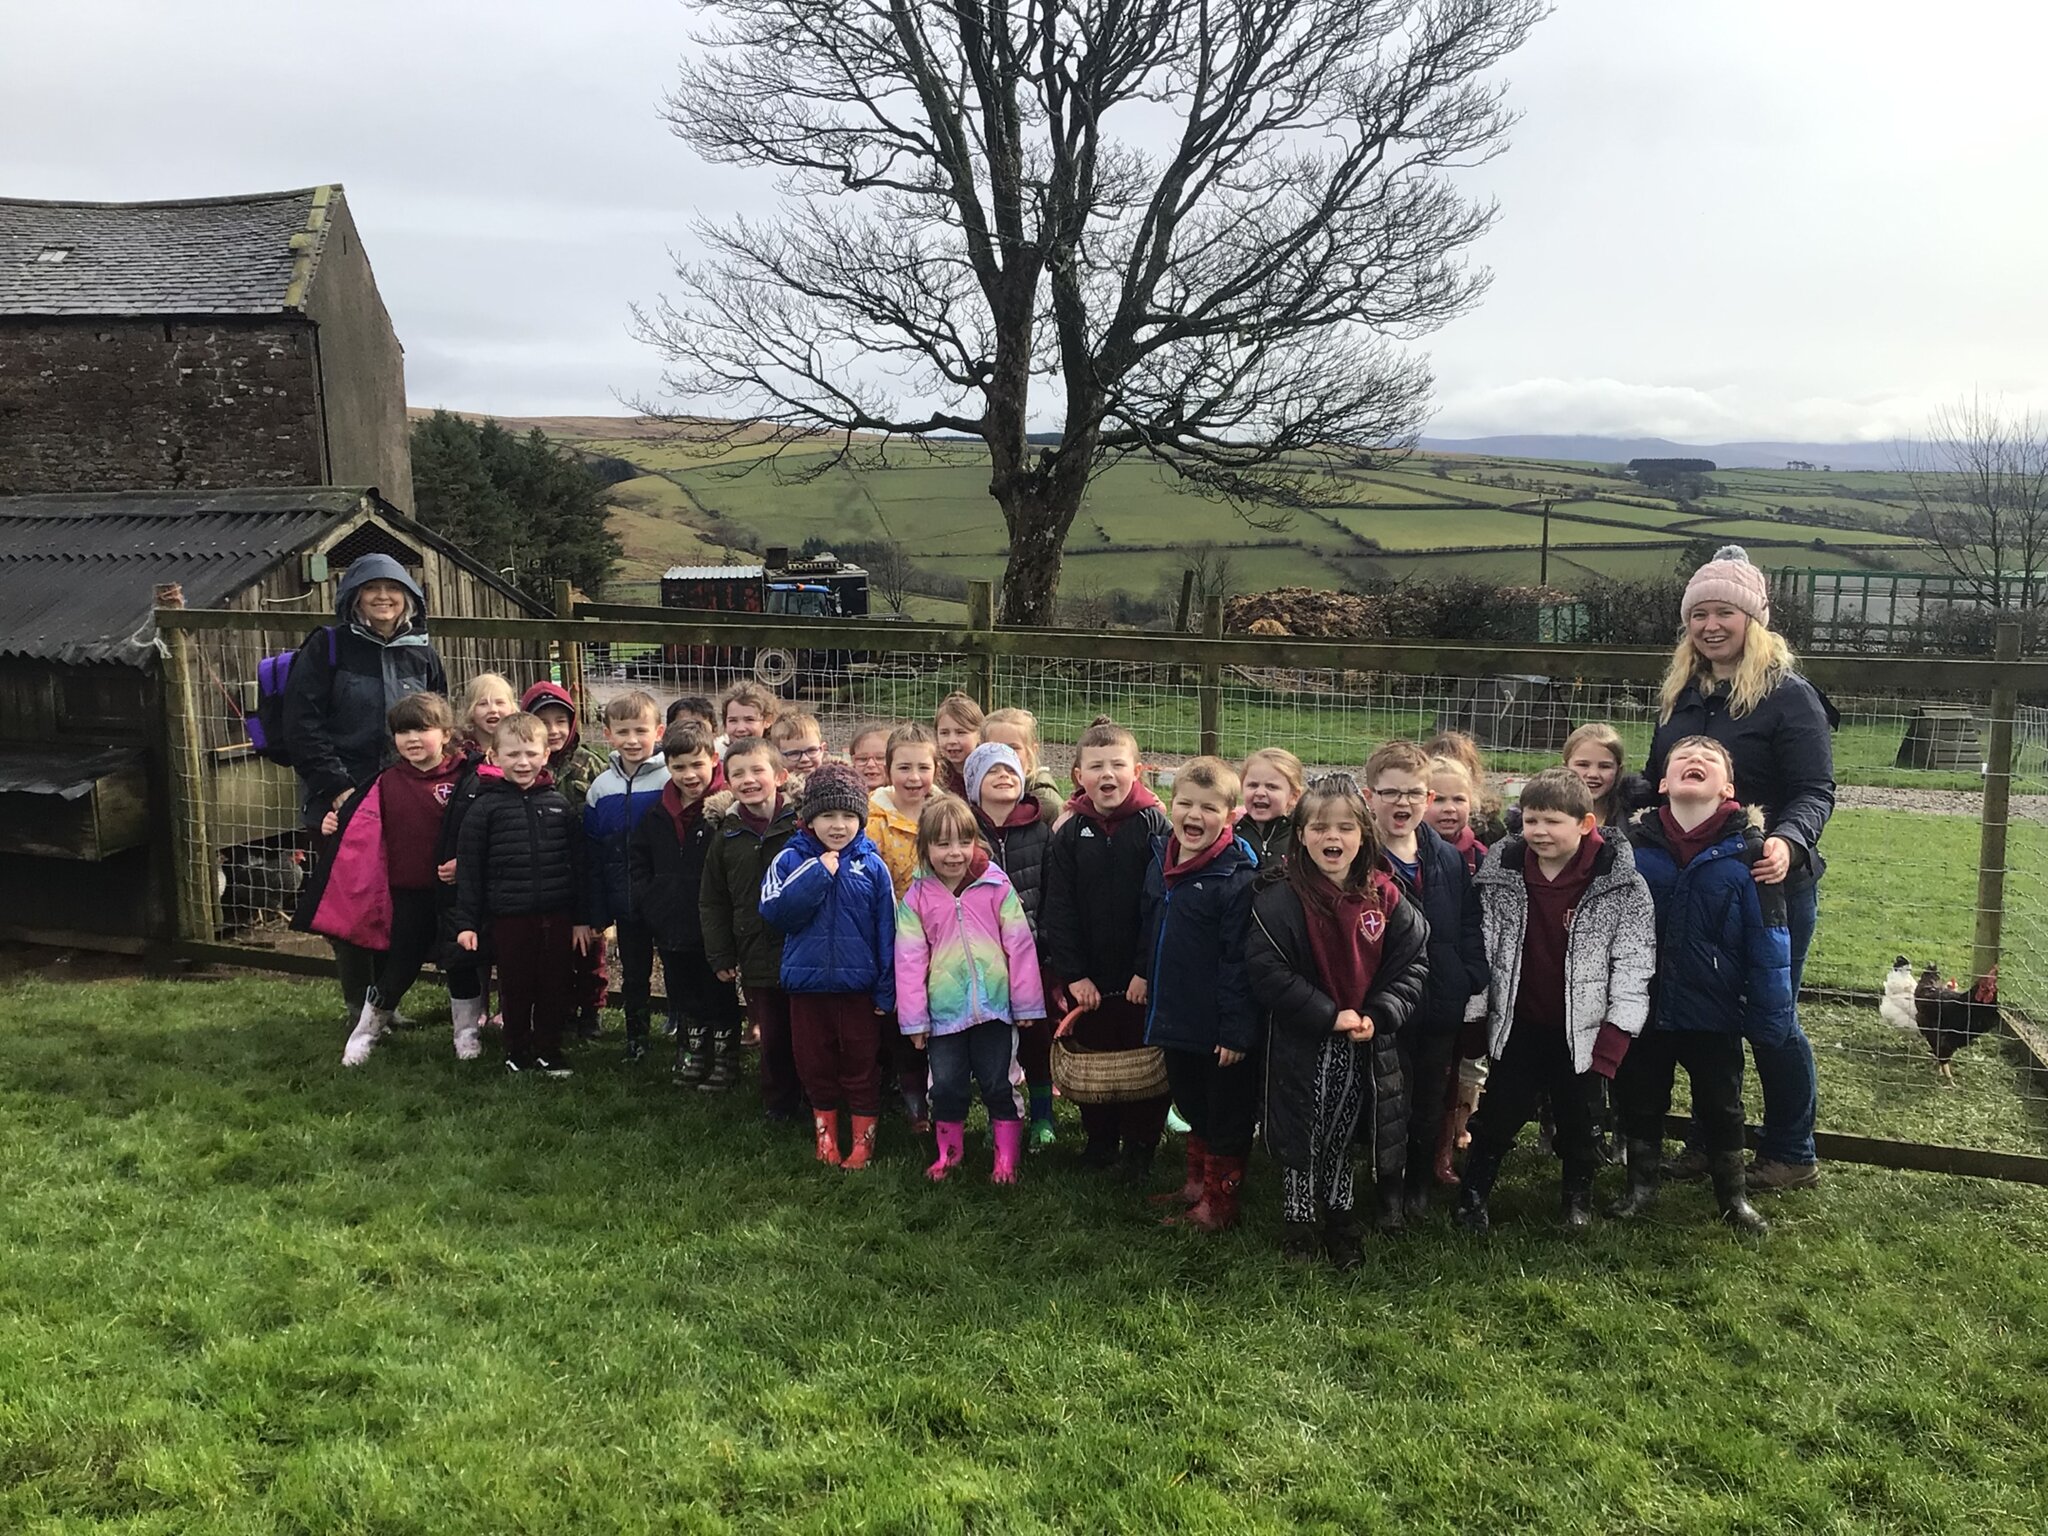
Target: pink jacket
{"points": [[962, 960], [349, 895]]}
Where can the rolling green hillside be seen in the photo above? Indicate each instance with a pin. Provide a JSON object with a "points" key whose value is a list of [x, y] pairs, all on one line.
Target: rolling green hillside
{"points": [[1429, 515]]}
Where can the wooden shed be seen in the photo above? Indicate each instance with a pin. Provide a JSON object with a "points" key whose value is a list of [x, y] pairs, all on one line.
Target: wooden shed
{"points": [[84, 825]]}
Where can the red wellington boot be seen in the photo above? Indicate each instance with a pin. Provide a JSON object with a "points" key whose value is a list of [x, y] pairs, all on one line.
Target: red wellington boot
{"points": [[1217, 1209], [1190, 1190]]}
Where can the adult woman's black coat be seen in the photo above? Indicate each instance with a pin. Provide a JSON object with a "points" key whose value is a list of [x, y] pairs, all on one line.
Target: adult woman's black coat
{"points": [[334, 709], [1784, 755], [1301, 1017]]}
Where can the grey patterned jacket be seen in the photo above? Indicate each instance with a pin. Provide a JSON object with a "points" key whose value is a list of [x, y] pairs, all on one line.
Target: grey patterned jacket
{"points": [[1610, 954]]}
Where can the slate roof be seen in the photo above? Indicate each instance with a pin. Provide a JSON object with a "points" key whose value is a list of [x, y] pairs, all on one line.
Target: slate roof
{"points": [[209, 256], [78, 573]]}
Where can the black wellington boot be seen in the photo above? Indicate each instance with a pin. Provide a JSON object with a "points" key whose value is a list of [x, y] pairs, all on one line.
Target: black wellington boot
{"points": [[1482, 1167], [1645, 1172], [1731, 1194], [1392, 1216], [1341, 1240]]}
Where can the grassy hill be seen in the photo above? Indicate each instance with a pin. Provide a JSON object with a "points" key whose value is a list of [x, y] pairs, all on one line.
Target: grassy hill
{"points": [[1430, 515]]}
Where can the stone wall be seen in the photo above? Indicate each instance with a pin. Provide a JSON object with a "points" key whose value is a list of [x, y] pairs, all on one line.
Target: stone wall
{"points": [[144, 404]]}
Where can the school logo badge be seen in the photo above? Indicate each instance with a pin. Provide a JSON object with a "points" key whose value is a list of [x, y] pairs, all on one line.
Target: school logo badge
{"points": [[1372, 925], [444, 793]]}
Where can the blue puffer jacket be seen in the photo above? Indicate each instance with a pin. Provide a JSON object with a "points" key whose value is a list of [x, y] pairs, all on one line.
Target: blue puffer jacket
{"points": [[1457, 937], [1198, 996], [1724, 955], [841, 929], [612, 808]]}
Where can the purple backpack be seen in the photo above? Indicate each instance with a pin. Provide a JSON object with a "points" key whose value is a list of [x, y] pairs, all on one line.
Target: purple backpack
{"points": [[265, 723]]}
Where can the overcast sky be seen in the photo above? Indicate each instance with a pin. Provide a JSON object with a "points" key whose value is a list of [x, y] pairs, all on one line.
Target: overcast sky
{"points": [[1808, 219]]}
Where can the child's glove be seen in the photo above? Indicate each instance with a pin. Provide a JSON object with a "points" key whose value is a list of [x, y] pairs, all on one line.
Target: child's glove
{"points": [[1608, 1049]]}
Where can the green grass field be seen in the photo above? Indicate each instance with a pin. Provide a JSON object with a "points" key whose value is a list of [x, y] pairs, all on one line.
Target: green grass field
{"points": [[249, 1292], [1134, 531]]}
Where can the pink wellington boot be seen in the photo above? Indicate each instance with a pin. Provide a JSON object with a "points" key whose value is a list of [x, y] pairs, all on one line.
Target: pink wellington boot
{"points": [[952, 1139], [1009, 1139]]}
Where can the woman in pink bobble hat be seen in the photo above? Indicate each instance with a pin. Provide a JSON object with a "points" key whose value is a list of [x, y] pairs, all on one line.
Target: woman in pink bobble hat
{"points": [[1731, 678]]}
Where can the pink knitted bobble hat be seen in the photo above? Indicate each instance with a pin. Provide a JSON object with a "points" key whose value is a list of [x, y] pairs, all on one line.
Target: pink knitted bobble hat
{"points": [[1729, 578]]}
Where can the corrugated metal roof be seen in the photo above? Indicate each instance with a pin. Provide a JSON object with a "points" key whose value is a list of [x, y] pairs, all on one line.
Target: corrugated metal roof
{"points": [[78, 573], [702, 572], [209, 256], [60, 772]]}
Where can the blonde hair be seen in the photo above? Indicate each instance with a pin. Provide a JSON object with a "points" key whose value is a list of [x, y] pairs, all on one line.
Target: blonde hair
{"points": [[1282, 761], [478, 689], [912, 733], [1024, 723], [1439, 766], [1597, 733], [523, 727], [634, 704], [942, 814], [1766, 661], [1463, 750], [1211, 773]]}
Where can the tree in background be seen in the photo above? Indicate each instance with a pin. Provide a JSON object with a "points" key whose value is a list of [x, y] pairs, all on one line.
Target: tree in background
{"points": [[1980, 495], [1199, 226], [519, 504]]}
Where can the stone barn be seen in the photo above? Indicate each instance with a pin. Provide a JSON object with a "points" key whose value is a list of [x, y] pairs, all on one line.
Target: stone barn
{"points": [[84, 786], [232, 341]]}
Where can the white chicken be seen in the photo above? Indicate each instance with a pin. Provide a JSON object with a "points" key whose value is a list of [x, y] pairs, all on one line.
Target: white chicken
{"points": [[1896, 1008]]}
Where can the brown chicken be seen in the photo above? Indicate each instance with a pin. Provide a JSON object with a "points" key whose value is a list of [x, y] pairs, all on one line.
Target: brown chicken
{"points": [[1950, 1018]]}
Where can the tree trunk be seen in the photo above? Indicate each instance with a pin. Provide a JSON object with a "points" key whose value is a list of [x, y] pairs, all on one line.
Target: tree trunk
{"points": [[1038, 536]]}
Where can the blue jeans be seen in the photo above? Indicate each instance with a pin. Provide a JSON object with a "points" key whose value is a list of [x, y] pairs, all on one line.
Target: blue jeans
{"points": [[984, 1055], [1786, 1071]]}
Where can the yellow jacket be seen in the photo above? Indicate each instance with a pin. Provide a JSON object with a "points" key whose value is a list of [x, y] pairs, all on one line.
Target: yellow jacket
{"points": [[895, 835]]}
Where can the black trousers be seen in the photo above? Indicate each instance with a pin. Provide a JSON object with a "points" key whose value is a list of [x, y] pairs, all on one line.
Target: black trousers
{"points": [[1426, 1060], [416, 939], [1219, 1103], [1538, 1062], [1642, 1088], [636, 969], [696, 996]]}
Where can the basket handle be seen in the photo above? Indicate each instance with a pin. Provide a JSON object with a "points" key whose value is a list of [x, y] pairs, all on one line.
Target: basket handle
{"points": [[1067, 1021]]}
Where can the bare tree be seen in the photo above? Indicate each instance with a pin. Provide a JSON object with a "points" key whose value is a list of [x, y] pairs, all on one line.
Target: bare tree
{"points": [[1980, 489], [1215, 576], [890, 572], [1201, 225]]}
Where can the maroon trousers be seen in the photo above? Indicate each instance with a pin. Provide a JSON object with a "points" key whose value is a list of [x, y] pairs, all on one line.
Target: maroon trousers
{"points": [[536, 982], [834, 1037], [768, 1008], [1117, 1025]]}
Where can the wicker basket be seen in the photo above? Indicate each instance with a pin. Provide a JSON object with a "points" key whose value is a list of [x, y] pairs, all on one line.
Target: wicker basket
{"points": [[1106, 1077]]}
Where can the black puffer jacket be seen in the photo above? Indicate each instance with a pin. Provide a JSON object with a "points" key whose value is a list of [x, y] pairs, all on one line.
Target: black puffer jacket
{"points": [[519, 855], [1089, 922], [1301, 1016], [1784, 755], [1632, 793], [1018, 850], [334, 712], [666, 873], [1457, 942]]}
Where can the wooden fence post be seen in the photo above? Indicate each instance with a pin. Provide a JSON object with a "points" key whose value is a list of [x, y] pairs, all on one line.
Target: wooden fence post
{"points": [[1209, 692], [981, 659], [1991, 840], [571, 650], [193, 874]]}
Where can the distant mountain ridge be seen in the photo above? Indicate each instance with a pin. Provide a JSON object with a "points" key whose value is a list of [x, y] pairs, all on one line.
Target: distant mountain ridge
{"points": [[1619, 450]]}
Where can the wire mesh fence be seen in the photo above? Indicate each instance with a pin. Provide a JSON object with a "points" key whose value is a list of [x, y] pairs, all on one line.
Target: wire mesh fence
{"points": [[1903, 848]]}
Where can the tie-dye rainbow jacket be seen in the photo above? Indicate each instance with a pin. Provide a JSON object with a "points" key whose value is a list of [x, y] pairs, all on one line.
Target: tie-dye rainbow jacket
{"points": [[964, 959]]}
